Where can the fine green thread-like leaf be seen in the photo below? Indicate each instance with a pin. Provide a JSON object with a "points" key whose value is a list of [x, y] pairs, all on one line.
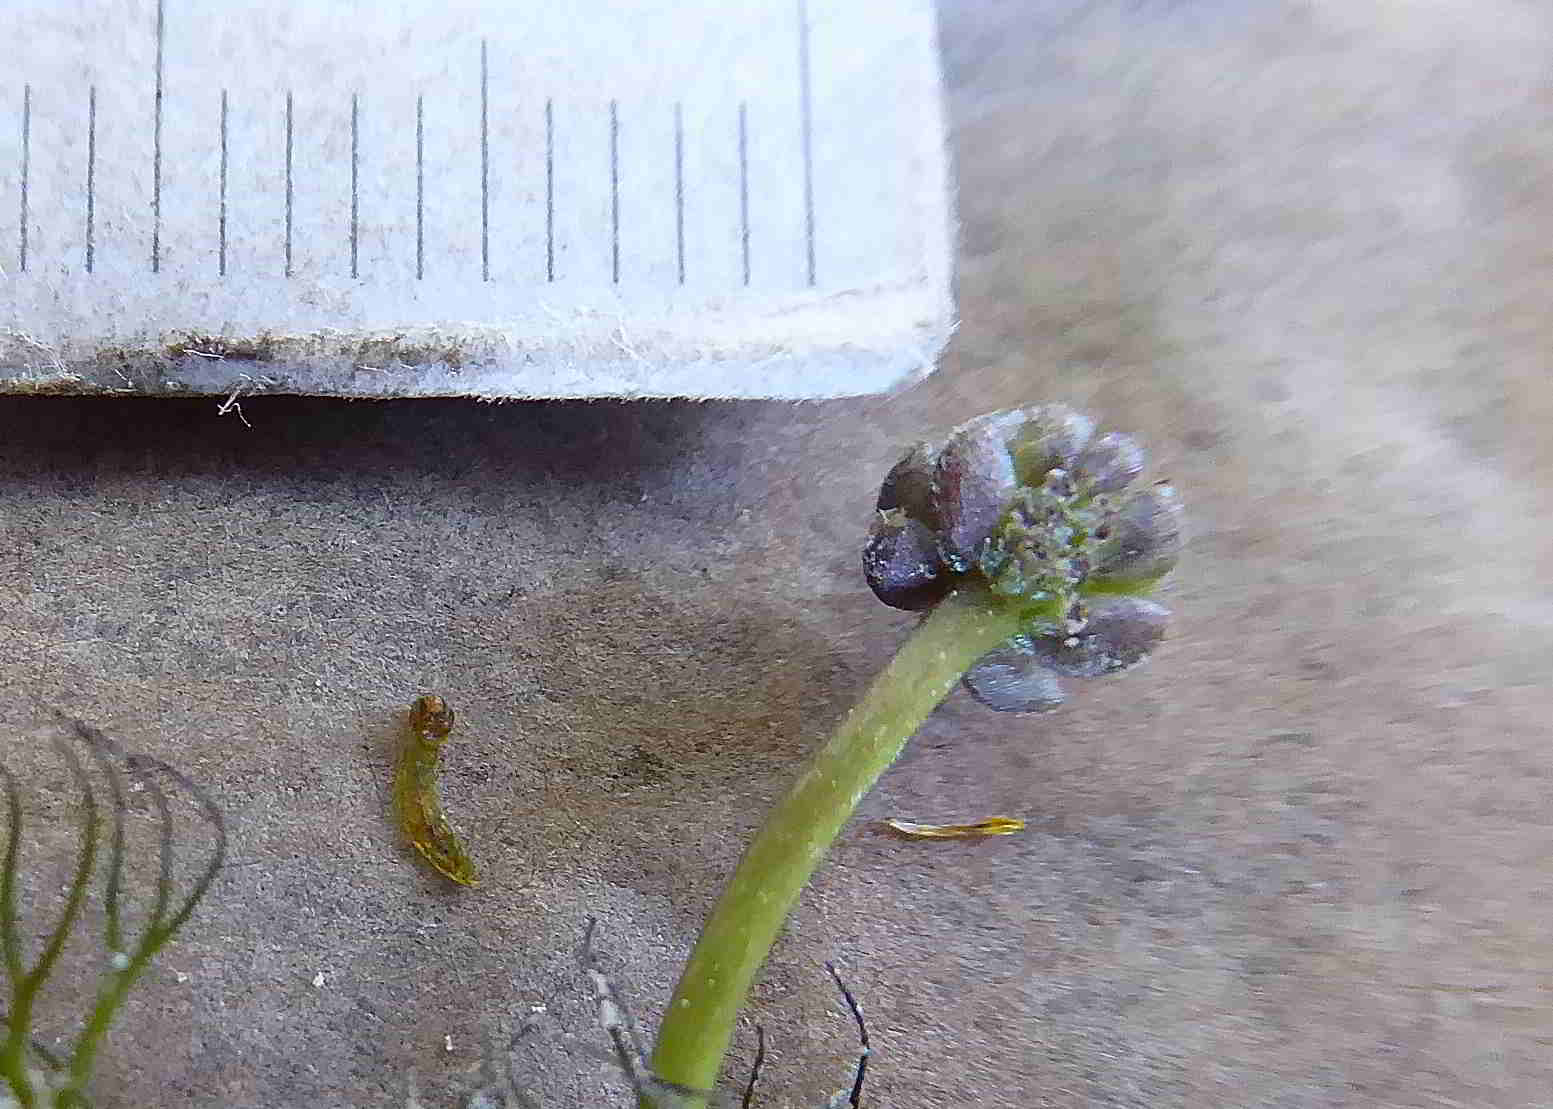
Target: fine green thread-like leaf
{"points": [[13, 1061], [25, 984], [36, 1076]]}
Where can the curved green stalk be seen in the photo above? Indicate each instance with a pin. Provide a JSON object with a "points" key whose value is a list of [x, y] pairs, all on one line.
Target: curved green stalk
{"points": [[738, 935]]}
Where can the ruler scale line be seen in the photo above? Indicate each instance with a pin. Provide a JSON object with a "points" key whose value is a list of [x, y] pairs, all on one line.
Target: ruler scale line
{"points": [[156, 143], [91, 175], [614, 190], [549, 190], [21, 245], [221, 194], [744, 190], [289, 184], [806, 112], [679, 189], [355, 180], [485, 164], [420, 187]]}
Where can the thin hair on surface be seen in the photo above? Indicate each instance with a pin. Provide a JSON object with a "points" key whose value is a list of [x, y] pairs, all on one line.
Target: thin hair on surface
{"points": [[502, 1081], [614, 1016], [760, 1061], [855, 1098]]}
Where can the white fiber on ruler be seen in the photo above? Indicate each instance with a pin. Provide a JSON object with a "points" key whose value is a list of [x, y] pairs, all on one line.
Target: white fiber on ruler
{"points": [[602, 199]]}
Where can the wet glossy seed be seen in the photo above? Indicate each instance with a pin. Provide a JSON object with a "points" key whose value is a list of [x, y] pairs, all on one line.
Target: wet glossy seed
{"points": [[1051, 436], [1116, 637], [973, 483], [1008, 679], [1144, 539], [1110, 462], [909, 485], [902, 565]]}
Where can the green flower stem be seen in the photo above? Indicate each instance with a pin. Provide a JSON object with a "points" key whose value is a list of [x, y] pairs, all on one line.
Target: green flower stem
{"points": [[738, 935]]}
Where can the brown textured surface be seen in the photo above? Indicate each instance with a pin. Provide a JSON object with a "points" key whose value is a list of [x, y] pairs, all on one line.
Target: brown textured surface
{"points": [[1299, 861]]}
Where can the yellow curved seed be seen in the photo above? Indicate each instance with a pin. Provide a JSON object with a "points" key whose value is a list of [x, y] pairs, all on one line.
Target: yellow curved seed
{"points": [[992, 826], [415, 792]]}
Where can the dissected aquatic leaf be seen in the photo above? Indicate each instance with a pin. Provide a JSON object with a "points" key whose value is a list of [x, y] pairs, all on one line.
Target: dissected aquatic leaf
{"points": [[30, 1074]]}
